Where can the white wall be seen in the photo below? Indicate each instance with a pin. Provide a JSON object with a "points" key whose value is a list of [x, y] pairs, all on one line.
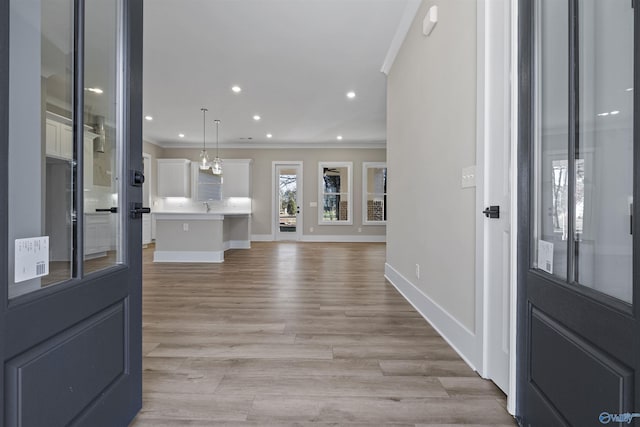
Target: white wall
{"points": [[431, 126]]}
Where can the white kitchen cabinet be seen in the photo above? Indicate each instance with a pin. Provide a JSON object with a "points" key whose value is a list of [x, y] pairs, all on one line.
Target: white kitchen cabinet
{"points": [[236, 178], [146, 229], [97, 234], [52, 138], [59, 137], [174, 178]]}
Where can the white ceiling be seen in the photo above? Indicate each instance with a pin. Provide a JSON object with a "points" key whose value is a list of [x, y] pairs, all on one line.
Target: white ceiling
{"points": [[294, 59]]}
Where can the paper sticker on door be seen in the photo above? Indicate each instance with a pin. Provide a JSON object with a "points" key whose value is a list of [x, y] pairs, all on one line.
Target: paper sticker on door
{"points": [[545, 256], [32, 258]]}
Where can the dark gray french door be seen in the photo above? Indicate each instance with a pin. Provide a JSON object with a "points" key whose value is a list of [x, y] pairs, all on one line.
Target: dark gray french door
{"points": [[70, 245], [579, 247]]}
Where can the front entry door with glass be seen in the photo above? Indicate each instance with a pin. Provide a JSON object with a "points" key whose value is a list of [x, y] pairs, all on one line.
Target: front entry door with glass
{"points": [[579, 270], [288, 196], [70, 135]]}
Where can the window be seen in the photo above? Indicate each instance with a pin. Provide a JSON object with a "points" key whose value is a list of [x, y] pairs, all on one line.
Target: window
{"points": [[374, 193], [209, 185], [335, 198]]}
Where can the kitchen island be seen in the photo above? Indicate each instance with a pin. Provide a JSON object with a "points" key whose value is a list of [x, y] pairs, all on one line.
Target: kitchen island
{"points": [[200, 237]]}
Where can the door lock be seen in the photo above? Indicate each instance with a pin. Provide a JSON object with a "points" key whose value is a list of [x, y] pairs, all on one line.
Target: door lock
{"points": [[137, 178], [492, 212]]}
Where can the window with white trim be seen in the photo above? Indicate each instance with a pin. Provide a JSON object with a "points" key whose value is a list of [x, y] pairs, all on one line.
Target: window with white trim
{"points": [[374, 193], [335, 198]]}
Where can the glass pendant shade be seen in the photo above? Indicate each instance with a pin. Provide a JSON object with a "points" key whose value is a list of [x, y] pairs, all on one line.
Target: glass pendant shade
{"points": [[216, 166], [204, 160], [204, 156]]}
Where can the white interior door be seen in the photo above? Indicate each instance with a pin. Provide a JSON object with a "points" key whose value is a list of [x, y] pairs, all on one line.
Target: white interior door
{"points": [[497, 192], [287, 201]]}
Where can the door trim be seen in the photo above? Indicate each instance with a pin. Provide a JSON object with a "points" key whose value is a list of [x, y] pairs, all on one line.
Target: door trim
{"points": [[275, 198]]}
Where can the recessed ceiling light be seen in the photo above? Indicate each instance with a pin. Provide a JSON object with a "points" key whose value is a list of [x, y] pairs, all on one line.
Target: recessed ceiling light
{"points": [[269, 135], [614, 113], [236, 89], [351, 95], [95, 90], [603, 114], [181, 135], [630, 89], [148, 118], [256, 117], [339, 137]]}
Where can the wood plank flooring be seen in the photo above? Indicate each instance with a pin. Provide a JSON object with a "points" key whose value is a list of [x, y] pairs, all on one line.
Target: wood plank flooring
{"points": [[300, 334]]}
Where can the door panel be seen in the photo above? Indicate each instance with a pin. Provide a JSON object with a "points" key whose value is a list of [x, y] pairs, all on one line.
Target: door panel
{"points": [[41, 73], [558, 366], [288, 194], [578, 311], [102, 140], [70, 334], [51, 383], [604, 148]]}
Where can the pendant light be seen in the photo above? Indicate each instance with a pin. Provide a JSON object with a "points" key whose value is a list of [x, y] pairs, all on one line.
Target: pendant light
{"points": [[216, 166], [204, 157]]}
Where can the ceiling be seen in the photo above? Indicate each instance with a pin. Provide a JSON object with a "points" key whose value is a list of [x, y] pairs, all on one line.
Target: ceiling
{"points": [[295, 61]]}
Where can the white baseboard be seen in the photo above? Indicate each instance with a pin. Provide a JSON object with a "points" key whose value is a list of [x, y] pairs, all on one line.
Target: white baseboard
{"points": [[239, 244], [95, 255], [461, 339], [325, 238], [188, 256], [344, 239], [262, 238]]}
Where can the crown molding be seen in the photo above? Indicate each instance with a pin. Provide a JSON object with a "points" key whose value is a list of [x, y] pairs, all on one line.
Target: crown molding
{"points": [[281, 145], [408, 16]]}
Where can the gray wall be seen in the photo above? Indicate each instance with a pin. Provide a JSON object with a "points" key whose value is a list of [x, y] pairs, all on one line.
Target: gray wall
{"points": [[431, 136], [262, 190]]}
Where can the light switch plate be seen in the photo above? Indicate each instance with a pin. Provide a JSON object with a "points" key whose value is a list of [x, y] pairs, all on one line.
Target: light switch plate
{"points": [[313, 204], [468, 178]]}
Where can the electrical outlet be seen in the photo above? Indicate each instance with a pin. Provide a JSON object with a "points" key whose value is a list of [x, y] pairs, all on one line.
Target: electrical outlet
{"points": [[310, 229], [359, 229], [185, 226], [417, 271]]}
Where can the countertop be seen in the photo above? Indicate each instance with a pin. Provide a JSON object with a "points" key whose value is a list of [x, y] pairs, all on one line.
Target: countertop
{"points": [[203, 216]]}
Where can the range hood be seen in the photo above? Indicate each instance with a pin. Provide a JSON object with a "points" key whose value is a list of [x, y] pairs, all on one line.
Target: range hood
{"points": [[99, 141]]}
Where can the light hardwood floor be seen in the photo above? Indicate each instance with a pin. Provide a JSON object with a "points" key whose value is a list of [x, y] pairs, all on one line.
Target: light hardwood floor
{"points": [[298, 334]]}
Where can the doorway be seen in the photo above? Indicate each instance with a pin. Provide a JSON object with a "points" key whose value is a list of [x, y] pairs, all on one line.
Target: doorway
{"points": [[578, 255], [287, 200]]}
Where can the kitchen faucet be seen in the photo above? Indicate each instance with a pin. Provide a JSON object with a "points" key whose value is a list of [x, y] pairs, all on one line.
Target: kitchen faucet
{"points": [[207, 206]]}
